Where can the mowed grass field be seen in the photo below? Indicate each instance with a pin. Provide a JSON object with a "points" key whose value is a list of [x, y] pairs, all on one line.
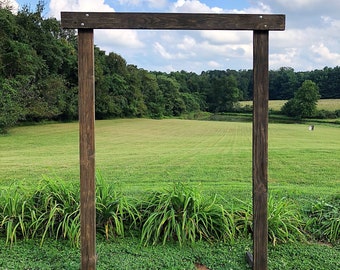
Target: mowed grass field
{"points": [[140, 155], [323, 104]]}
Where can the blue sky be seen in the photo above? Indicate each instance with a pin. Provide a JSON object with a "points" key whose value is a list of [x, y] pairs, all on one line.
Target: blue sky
{"points": [[309, 42]]}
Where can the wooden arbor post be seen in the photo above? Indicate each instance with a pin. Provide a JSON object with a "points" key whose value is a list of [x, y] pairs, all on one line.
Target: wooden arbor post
{"points": [[260, 149], [85, 22], [87, 148]]}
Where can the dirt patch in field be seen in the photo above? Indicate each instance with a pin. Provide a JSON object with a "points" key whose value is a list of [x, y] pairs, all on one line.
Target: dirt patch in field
{"points": [[201, 267]]}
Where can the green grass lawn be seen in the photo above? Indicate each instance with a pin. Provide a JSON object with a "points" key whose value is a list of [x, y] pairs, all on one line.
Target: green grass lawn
{"points": [[142, 155], [323, 104]]}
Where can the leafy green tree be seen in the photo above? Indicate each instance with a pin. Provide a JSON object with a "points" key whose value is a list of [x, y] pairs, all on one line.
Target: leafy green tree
{"points": [[328, 80], [191, 101], [153, 96], [233, 93], [114, 63], [174, 104], [304, 102], [19, 58], [111, 100], [282, 83], [223, 93], [54, 93], [137, 105], [10, 105]]}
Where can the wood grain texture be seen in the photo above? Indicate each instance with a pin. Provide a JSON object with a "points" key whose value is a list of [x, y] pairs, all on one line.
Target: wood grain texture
{"points": [[260, 149], [174, 21], [87, 148]]}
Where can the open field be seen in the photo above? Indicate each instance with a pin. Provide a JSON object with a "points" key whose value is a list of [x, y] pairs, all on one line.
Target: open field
{"points": [[323, 104], [143, 154]]}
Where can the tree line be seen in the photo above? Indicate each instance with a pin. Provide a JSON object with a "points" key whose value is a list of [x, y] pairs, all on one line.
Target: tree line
{"points": [[38, 78]]}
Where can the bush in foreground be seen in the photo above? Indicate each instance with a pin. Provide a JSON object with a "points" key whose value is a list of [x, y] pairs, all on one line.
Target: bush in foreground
{"points": [[285, 223], [324, 220], [180, 214]]}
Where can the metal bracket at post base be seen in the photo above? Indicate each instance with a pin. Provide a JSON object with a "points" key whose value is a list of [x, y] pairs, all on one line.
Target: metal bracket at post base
{"points": [[250, 259]]}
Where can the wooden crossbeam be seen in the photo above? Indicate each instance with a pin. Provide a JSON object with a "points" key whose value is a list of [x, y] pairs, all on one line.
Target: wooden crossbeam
{"points": [[172, 21]]}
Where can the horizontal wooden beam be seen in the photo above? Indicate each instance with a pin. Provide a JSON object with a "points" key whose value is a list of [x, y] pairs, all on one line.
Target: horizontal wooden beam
{"points": [[172, 21]]}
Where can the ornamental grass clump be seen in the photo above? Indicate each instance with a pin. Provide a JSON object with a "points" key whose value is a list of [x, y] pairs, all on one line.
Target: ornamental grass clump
{"points": [[57, 205], [182, 214], [51, 210], [14, 214], [116, 213], [284, 221], [324, 220]]}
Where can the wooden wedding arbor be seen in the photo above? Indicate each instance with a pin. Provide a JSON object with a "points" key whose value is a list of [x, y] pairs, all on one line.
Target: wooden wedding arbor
{"points": [[86, 22]]}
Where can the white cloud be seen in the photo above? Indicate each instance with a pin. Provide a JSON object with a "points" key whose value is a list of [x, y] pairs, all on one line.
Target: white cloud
{"points": [[130, 2], [56, 6], [193, 6], [188, 43], [305, 13], [227, 37], [285, 58], [112, 39], [306, 5], [149, 3], [214, 65], [12, 4], [172, 53], [162, 51], [259, 7], [322, 54]]}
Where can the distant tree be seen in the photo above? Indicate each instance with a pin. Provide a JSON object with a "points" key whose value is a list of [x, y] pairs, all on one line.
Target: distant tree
{"points": [[233, 93], [304, 102], [10, 106], [136, 102], [282, 83], [153, 96], [174, 104], [222, 92]]}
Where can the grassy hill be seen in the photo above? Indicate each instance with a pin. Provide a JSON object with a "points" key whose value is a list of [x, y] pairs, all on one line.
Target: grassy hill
{"points": [[144, 154]]}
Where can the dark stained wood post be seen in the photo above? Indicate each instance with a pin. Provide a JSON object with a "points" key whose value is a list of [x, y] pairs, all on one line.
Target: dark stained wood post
{"points": [[87, 148], [260, 149]]}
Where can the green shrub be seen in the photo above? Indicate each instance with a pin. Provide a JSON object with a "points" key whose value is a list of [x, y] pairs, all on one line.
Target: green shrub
{"points": [[14, 214], [325, 114], [52, 210], [182, 214], [58, 205], [243, 218], [324, 220], [337, 113], [284, 221], [114, 212]]}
